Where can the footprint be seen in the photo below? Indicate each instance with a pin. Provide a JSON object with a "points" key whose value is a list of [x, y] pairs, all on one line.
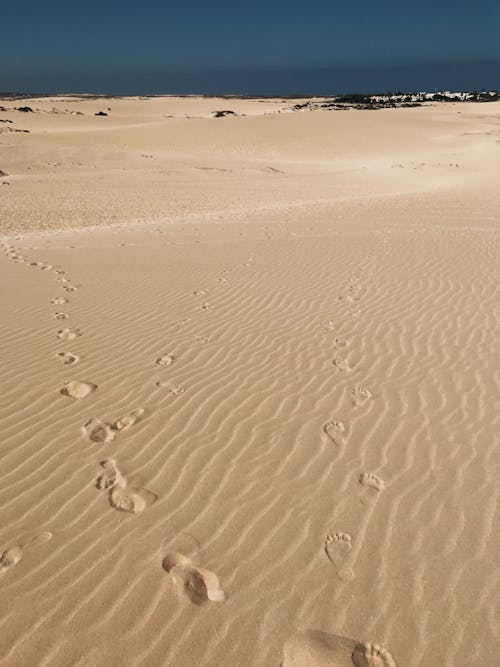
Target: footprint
{"points": [[58, 301], [202, 339], [98, 431], [77, 389], [313, 647], [222, 281], [68, 334], [130, 499], [338, 548], [200, 585], [110, 477], [10, 557], [200, 292], [372, 655], [333, 428], [166, 360], [341, 363], [329, 326], [360, 395], [13, 555], [128, 420], [206, 306], [371, 480], [60, 316], [123, 497], [176, 390], [70, 288], [69, 359], [341, 342]]}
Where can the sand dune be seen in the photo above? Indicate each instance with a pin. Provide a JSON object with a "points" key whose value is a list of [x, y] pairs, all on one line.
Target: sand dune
{"points": [[250, 385]]}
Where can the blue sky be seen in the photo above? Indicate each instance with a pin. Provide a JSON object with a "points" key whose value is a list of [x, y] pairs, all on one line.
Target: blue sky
{"points": [[149, 46]]}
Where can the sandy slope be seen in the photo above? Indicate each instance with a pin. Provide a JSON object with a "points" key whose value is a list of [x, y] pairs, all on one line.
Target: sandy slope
{"points": [[305, 307]]}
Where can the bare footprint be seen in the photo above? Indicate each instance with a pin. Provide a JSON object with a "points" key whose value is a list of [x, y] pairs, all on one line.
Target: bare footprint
{"points": [[111, 476], [338, 548], [341, 363], [58, 301], [98, 431], [68, 358], [371, 480], [68, 334], [200, 585], [315, 648], [122, 496], [372, 655], [13, 555], [77, 389], [166, 360], [175, 390], [360, 395], [10, 557], [128, 420], [125, 499], [333, 429]]}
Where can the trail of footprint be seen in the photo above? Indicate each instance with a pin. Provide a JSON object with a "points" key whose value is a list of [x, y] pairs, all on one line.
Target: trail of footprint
{"points": [[68, 358], [13, 555], [77, 389], [338, 547], [200, 585]]}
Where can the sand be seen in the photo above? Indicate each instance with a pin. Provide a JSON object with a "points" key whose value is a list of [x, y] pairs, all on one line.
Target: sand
{"points": [[250, 384]]}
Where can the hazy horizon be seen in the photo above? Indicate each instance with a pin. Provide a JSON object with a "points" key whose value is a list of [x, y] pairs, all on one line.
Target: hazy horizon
{"points": [[234, 48], [320, 81]]}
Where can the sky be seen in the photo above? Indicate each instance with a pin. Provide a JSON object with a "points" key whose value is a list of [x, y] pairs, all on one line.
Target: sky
{"points": [[249, 47]]}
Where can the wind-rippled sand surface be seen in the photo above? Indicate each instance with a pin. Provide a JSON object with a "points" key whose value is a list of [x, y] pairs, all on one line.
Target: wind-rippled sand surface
{"points": [[250, 385]]}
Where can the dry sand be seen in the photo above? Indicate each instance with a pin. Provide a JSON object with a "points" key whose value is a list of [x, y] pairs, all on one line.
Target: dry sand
{"points": [[250, 385]]}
